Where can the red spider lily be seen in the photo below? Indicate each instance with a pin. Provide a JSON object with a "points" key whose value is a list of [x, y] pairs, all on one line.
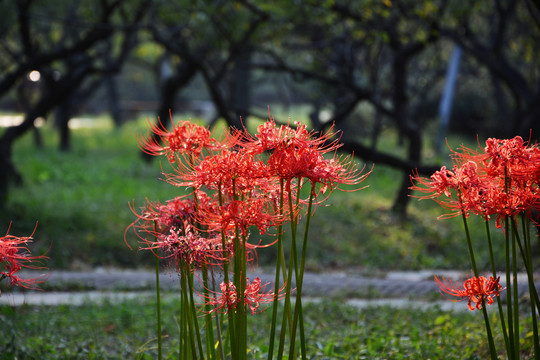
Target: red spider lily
{"points": [[270, 137], [456, 189], [242, 214], [289, 162], [184, 138], [254, 296], [331, 173], [220, 171], [15, 255], [187, 247], [155, 218], [508, 155], [475, 289], [501, 181]]}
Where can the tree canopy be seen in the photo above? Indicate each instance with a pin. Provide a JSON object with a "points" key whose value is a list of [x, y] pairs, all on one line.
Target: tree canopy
{"points": [[336, 56]]}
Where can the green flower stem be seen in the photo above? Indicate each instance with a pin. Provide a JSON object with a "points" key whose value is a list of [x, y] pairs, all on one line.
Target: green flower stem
{"points": [[513, 322], [292, 266], [188, 312], [469, 244], [509, 312], [182, 343], [286, 311], [527, 260], [188, 335], [231, 333], [515, 290], [219, 323], [298, 315], [277, 277], [158, 308], [492, 349], [234, 315], [193, 311], [158, 302], [241, 309], [210, 348], [494, 273]]}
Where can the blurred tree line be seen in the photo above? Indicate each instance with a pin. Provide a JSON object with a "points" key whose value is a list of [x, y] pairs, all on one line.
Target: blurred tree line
{"points": [[361, 64]]}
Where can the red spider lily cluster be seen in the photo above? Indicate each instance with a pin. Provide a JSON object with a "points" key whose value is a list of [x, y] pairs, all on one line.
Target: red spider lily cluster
{"points": [[254, 295], [476, 289], [235, 185], [502, 180], [14, 256]]}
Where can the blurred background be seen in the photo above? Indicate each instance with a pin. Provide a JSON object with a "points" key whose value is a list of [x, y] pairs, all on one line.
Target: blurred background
{"points": [[80, 80]]}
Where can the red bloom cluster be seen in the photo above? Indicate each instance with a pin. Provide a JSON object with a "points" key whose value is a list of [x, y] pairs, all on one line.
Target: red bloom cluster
{"points": [[502, 180], [185, 138], [254, 296], [15, 255], [475, 289], [236, 185]]}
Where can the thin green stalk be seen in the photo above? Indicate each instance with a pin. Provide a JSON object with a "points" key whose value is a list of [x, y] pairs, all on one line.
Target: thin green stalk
{"points": [[494, 273], [509, 311], [217, 317], [193, 311], [298, 315], [231, 333], [292, 265], [492, 349], [515, 289], [469, 244], [183, 341], [239, 280], [236, 340], [210, 348], [286, 313], [241, 311], [158, 308], [158, 302], [187, 313], [513, 322], [527, 259], [277, 277]]}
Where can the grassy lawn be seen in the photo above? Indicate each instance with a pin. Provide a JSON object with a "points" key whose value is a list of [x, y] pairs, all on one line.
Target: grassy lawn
{"points": [[126, 331]]}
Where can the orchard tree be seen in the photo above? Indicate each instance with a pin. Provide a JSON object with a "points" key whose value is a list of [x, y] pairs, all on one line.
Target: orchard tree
{"points": [[364, 53], [67, 43], [503, 37]]}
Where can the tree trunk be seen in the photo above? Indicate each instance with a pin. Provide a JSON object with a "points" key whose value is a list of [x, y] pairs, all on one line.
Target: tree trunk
{"points": [[408, 128], [63, 114], [113, 101], [9, 174], [241, 98], [170, 85]]}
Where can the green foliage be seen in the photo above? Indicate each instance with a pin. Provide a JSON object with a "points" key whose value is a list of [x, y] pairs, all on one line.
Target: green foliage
{"points": [[125, 330]]}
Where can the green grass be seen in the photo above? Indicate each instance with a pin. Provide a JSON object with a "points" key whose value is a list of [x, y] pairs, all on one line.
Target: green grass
{"points": [[80, 201], [126, 331]]}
